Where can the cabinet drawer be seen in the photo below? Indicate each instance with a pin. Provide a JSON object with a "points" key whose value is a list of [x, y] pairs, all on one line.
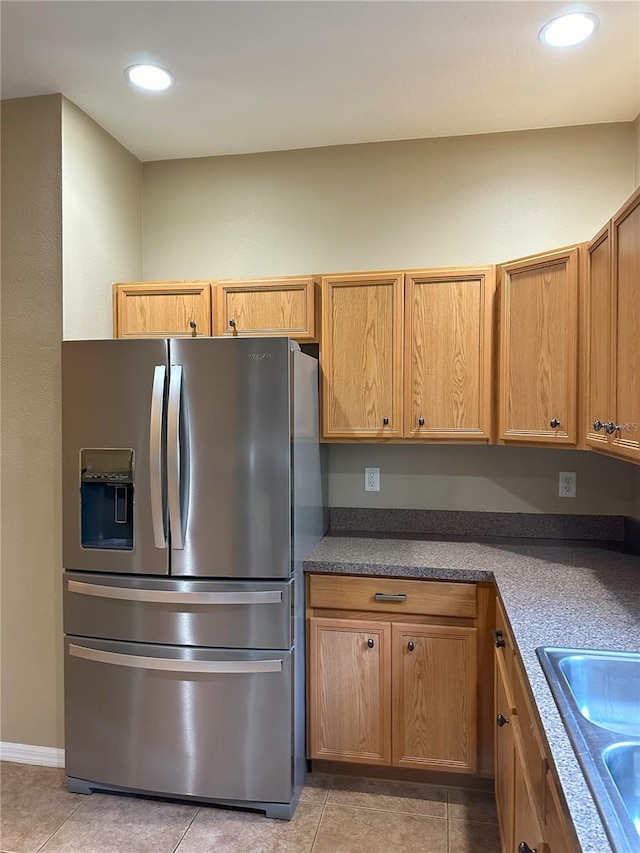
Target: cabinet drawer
{"points": [[533, 754], [428, 598]]}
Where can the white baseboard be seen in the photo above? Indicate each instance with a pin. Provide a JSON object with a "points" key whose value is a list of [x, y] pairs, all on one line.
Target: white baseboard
{"points": [[25, 753]]}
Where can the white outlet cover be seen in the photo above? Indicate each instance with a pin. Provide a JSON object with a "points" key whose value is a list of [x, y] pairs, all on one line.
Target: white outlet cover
{"points": [[567, 484], [372, 479]]}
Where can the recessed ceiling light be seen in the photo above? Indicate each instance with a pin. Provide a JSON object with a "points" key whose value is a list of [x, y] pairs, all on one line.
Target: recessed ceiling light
{"points": [[150, 77], [568, 30]]}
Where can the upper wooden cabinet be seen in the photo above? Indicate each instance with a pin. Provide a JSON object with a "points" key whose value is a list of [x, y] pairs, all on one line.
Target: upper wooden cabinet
{"points": [[613, 362], [447, 383], [282, 306], [625, 231], [599, 342], [150, 309], [539, 349], [361, 355]]}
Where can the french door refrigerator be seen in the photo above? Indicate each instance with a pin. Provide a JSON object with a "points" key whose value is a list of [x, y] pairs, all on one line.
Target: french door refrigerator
{"points": [[192, 492]]}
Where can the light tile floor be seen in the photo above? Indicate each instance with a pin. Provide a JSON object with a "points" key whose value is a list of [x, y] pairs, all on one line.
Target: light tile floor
{"points": [[336, 814]]}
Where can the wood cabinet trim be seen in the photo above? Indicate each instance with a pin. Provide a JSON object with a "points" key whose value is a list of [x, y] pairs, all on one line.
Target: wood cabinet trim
{"points": [[600, 440], [121, 290], [307, 285]]}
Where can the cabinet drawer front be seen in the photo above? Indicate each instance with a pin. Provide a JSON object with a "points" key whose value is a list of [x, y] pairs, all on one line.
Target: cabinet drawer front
{"points": [[429, 598]]}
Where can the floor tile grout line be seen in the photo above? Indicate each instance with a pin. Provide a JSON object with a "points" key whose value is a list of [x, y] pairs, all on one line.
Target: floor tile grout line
{"points": [[59, 826], [198, 810], [324, 806]]}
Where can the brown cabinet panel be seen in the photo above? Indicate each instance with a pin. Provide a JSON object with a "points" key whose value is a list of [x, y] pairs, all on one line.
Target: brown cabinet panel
{"points": [[625, 228], [504, 759], [526, 823], [150, 309], [538, 350], [434, 697], [598, 391], [350, 690], [266, 307], [448, 354], [361, 356]]}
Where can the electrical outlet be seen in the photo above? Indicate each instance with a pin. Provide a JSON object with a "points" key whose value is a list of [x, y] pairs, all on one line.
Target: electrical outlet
{"points": [[567, 484], [372, 479]]}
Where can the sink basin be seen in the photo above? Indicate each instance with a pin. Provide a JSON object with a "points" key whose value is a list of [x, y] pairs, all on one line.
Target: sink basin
{"points": [[598, 695], [606, 687], [623, 763]]}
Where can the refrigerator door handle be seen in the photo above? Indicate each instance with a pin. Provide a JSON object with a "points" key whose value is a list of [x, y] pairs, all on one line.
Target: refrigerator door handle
{"points": [[173, 457], [159, 596], [175, 665], [155, 456]]}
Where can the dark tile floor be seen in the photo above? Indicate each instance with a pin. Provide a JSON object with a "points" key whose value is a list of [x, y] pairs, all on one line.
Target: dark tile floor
{"points": [[336, 814]]}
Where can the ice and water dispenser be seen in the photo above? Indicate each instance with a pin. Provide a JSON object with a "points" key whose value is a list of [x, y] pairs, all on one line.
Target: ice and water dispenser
{"points": [[106, 498]]}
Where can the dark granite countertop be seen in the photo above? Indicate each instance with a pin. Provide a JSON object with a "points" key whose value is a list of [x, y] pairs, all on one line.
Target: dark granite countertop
{"points": [[554, 593]]}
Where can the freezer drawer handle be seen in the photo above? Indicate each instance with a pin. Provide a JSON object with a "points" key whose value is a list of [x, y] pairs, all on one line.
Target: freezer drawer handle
{"points": [[160, 596], [172, 665], [155, 457]]}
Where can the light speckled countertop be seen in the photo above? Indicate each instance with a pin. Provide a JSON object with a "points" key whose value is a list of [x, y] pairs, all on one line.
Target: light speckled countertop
{"points": [[555, 594]]}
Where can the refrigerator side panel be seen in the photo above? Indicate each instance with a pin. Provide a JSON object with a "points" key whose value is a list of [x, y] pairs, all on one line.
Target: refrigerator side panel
{"points": [[108, 475], [234, 458]]}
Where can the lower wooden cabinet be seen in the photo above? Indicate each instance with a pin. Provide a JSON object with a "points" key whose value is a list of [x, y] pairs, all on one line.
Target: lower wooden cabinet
{"points": [[393, 693], [530, 812]]}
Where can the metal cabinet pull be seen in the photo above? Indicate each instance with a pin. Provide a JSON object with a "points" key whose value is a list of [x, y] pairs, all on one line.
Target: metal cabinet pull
{"points": [[498, 639], [370, 643], [501, 721], [387, 596], [420, 421], [597, 425], [232, 323], [385, 421], [609, 427], [162, 596], [175, 665], [410, 645], [523, 847], [193, 325], [554, 423]]}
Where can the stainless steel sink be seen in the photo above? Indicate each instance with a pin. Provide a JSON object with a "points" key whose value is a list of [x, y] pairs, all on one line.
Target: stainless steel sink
{"points": [[598, 695]]}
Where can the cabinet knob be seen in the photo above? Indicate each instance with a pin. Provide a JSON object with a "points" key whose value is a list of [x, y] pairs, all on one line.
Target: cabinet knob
{"points": [[193, 324], [385, 421], [501, 721], [232, 323], [370, 643], [609, 427], [420, 421], [498, 639], [597, 425], [523, 847], [410, 645], [554, 423]]}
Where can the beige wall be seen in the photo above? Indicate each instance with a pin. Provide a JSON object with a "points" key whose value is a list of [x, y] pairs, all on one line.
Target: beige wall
{"points": [[101, 222], [31, 334], [431, 202], [489, 479]]}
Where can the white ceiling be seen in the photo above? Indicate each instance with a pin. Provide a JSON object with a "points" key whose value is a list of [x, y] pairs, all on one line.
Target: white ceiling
{"points": [[261, 75]]}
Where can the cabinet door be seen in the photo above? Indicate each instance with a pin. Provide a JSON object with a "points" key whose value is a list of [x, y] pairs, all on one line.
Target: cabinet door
{"points": [[266, 307], [447, 392], [625, 228], [526, 823], [350, 690], [435, 685], [538, 349], [361, 356], [148, 309], [505, 757], [599, 345]]}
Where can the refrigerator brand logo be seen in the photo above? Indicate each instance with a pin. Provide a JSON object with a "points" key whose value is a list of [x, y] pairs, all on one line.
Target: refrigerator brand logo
{"points": [[259, 356]]}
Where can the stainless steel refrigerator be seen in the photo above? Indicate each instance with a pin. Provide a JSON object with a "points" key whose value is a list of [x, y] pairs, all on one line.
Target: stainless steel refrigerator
{"points": [[192, 492]]}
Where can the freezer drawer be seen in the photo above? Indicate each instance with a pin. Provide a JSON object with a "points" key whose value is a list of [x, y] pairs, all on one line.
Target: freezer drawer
{"points": [[226, 614], [214, 724]]}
